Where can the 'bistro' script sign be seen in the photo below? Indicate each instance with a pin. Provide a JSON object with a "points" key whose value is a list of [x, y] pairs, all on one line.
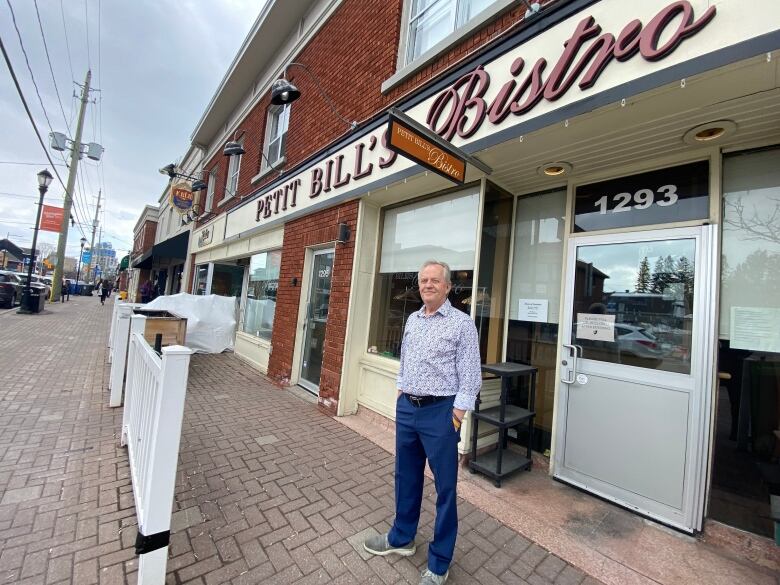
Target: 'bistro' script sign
{"points": [[461, 109]]}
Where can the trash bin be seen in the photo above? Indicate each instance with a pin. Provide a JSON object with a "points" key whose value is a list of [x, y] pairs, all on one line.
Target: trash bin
{"points": [[35, 300]]}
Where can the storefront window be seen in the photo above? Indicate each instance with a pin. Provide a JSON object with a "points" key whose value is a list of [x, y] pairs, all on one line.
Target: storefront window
{"points": [[442, 228], [532, 336], [261, 290], [747, 440], [227, 280], [201, 280], [490, 297]]}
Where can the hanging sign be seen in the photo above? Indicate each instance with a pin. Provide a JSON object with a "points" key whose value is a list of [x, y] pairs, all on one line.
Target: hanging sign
{"points": [[51, 218], [181, 197], [412, 144]]}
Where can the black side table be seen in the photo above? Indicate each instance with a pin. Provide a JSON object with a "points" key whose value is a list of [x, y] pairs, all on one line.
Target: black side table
{"points": [[502, 462]]}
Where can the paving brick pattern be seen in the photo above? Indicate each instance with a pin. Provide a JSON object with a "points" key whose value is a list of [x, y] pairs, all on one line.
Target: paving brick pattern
{"points": [[269, 489]]}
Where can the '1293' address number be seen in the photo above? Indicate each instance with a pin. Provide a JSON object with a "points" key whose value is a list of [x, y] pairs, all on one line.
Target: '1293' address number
{"points": [[642, 199]]}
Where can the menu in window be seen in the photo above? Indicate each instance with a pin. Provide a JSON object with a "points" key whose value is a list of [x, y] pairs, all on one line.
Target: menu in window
{"points": [[755, 328]]}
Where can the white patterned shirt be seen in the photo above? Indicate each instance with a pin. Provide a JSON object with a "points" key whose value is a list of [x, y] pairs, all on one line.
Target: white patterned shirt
{"points": [[440, 356]]}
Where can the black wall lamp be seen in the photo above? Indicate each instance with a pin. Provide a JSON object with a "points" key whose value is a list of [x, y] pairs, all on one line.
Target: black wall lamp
{"points": [[284, 92], [344, 233]]}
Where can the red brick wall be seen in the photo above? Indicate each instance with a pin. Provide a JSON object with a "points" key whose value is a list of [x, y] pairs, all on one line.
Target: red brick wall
{"points": [[144, 238], [351, 55], [317, 228]]}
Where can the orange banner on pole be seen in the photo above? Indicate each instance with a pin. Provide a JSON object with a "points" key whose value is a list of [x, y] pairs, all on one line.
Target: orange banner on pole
{"points": [[51, 218]]}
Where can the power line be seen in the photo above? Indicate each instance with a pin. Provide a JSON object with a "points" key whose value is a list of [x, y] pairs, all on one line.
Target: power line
{"points": [[27, 109], [67, 43], [32, 164], [27, 60], [51, 69], [86, 23]]}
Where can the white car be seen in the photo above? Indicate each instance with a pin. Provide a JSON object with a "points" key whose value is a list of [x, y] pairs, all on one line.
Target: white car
{"points": [[637, 341]]}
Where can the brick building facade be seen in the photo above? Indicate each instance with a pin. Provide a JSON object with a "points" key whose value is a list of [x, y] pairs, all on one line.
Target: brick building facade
{"points": [[597, 125]]}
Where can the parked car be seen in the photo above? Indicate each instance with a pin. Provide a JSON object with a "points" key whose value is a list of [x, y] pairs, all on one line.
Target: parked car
{"points": [[638, 341], [11, 288], [36, 282]]}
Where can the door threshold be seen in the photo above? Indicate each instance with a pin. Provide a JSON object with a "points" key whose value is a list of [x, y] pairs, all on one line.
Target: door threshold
{"points": [[661, 523], [310, 388]]}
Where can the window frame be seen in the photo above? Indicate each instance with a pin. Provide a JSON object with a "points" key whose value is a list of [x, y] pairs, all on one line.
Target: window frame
{"points": [[245, 295], [279, 112], [234, 170], [405, 68], [210, 189]]}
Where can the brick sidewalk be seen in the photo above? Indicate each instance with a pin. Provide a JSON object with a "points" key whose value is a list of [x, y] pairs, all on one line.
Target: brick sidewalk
{"points": [[269, 490]]}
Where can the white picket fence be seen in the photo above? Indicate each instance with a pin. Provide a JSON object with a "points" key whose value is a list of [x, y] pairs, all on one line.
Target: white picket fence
{"points": [[151, 429], [118, 340], [115, 313]]}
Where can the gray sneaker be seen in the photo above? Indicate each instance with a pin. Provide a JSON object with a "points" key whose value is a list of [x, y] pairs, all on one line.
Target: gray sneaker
{"points": [[379, 545], [430, 578]]}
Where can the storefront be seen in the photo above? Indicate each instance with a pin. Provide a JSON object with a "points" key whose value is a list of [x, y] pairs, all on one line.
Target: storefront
{"points": [[624, 244]]}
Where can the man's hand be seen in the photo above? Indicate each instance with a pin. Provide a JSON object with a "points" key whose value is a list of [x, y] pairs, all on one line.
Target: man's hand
{"points": [[457, 418], [399, 394]]}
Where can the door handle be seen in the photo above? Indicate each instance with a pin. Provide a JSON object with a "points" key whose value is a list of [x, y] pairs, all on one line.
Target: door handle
{"points": [[573, 352]]}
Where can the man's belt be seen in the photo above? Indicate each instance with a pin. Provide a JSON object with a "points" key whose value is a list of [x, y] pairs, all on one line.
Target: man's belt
{"points": [[419, 401]]}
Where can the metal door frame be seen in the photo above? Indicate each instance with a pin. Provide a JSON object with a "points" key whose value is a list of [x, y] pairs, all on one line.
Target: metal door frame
{"points": [[690, 518], [310, 261]]}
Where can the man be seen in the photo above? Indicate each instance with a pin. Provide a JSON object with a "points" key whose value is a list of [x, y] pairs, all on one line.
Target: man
{"points": [[103, 291], [65, 290], [438, 381]]}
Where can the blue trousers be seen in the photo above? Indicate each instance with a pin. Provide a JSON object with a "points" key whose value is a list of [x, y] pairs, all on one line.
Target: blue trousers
{"points": [[422, 433]]}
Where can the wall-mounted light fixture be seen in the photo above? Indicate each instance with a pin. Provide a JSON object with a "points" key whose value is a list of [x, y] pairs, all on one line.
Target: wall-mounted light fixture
{"points": [[344, 233], [284, 92]]}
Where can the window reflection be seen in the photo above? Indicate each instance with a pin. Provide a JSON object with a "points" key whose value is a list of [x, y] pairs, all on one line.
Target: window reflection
{"points": [[261, 294], [633, 303]]}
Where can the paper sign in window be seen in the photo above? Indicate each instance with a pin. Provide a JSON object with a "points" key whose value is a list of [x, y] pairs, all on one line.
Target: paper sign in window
{"points": [[533, 310], [755, 328], [595, 326]]}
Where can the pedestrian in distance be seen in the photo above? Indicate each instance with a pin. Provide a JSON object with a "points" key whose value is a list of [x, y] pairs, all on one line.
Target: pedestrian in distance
{"points": [[103, 291], [65, 292], [146, 291], [438, 382]]}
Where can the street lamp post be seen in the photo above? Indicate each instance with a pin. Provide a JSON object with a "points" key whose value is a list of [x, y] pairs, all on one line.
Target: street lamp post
{"points": [[78, 272], [44, 180]]}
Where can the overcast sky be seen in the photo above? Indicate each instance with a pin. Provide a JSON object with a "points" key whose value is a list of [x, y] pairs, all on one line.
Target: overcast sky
{"points": [[157, 63]]}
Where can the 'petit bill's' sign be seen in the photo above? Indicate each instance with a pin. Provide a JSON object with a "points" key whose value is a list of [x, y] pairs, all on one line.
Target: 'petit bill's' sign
{"points": [[410, 143]]}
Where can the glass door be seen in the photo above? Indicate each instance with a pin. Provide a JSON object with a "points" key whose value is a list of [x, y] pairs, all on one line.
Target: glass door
{"points": [[635, 375], [316, 319]]}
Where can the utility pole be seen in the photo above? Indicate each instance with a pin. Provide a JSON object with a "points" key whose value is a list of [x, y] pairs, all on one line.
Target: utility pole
{"points": [[92, 241], [75, 154]]}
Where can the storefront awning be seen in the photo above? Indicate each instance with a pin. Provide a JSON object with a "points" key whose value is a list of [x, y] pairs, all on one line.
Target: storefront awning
{"points": [[145, 261], [10, 247], [174, 248], [124, 263]]}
